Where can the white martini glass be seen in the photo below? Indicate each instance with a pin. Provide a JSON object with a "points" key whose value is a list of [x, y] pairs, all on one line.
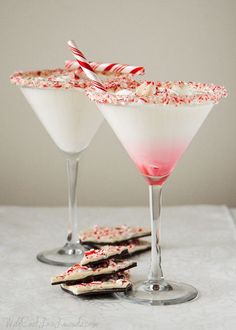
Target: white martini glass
{"points": [[156, 124], [59, 101]]}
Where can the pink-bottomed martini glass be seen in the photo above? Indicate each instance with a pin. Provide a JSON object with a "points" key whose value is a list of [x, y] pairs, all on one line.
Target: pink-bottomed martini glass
{"points": [[58, 99], [155, 122]]}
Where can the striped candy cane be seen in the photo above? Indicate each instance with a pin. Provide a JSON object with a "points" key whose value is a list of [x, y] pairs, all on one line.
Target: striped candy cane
{"points": [[108, 67], [85, 66]]}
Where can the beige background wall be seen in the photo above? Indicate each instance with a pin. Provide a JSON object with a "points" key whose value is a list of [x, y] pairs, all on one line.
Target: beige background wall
{"points": [[185, 39]]}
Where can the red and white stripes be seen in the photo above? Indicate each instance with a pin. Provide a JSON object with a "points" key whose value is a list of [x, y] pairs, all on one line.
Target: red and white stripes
{"points": [[114, 68], [85, 66]]}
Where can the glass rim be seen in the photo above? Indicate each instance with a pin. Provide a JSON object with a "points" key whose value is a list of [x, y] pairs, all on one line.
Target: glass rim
{"points": [[203, 93], [48, 79]]}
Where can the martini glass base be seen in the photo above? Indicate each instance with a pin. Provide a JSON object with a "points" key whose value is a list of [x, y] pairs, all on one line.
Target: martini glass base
{"points": [[159, 293], [68, 255]]}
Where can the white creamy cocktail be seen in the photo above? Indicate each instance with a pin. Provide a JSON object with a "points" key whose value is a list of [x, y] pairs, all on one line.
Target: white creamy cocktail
{"points": [[68, 117], [155, 138], [155, 122], [58, 99]]}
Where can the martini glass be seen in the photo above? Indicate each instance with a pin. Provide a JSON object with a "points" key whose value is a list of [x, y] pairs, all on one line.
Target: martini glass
{"points": [[156, 127], [71, 120]]}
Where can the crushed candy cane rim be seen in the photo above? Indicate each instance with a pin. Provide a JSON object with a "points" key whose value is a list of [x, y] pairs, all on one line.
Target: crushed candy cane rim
{"points": [[166, 93], [62, 79]]}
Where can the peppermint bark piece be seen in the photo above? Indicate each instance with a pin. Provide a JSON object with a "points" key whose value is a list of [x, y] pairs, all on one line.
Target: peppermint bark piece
{"points": [[112, 235], [136, 246], [83, 274], [108, 286], [94, 257]]}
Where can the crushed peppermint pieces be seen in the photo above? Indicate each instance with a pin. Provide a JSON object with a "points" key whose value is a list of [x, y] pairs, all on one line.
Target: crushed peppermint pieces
{"points": [[93, 256], [166, 93], [65, 79]]}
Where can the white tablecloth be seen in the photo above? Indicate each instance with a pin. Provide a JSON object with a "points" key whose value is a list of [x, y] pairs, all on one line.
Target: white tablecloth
{"points": [[198, 247]]}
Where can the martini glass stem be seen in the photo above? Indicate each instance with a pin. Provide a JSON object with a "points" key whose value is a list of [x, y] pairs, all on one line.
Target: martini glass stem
{"points": [[72, 173], [155, 201]]}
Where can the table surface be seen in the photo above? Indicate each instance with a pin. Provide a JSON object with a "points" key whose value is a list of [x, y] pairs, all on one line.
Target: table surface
{"points": [[198, 247]]}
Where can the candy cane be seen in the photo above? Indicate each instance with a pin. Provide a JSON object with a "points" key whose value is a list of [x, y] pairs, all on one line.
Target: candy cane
{"points": [[108, 67], [85, 66]]}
